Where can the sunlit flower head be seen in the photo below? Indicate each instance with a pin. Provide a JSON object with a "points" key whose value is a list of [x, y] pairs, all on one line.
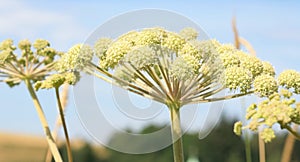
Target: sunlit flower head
{"points": [[76, 58], [290, 79], [189, 33]]}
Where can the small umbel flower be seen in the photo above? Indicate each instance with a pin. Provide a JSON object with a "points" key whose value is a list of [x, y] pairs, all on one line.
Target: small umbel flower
{"points": [[265, 85], [76, 59], [189, 33], [101, 47], [32, 65], [290, 79], [279, 108], [268, 68], [267, 135]]}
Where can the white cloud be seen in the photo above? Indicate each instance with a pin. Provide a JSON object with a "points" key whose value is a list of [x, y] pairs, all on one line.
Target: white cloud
{"points": [[20, 20]]}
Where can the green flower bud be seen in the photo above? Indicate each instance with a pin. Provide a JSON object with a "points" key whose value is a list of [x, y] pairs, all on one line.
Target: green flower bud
{"points": [[72, 78], [267, 135], [50, 52], [290, 79], [296, 114], [40, 44], [5, 55], [7, 44], [53, 81], [189, 33], [101, 47], [238, 78], [238, 128], [56, 80], [265, 85], [24, 45], [141, 56], [268, 68]]}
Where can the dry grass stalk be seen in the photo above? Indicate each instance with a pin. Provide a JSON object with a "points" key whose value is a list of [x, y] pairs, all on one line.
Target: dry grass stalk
{"points": [[58, 123], [238, 42]]}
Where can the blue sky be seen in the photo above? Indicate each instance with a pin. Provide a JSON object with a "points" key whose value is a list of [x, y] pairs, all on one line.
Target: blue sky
{"points": [[272, 27]]}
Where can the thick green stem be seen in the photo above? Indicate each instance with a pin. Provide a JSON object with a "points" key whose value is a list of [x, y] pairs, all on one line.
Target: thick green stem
{"points": [[63, 121], [49, 138], [176, 133], [248, 147]]}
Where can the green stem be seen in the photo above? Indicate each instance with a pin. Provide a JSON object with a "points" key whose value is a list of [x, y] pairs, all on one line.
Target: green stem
{"points": [[297, 136], [63, 121], [248, 147], [49, 138], [176, 133]]}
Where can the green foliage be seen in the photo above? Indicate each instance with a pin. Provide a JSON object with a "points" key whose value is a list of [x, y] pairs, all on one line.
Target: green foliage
{"points": [[211, 149]]}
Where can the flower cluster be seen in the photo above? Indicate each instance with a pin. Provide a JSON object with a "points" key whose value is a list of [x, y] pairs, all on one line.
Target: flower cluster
{"points": [[36, 61], [68, 67], [265, 85], [290, 79], [189, 33], [75, 59], [164, 55], [238, 78], [56, 80], [42, 65], [268, 68], [140, 57], [279, 108], [101, 47], [183, 67]]}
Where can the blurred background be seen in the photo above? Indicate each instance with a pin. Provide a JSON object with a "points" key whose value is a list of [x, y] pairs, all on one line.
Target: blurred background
{"points": [[272, 27]]}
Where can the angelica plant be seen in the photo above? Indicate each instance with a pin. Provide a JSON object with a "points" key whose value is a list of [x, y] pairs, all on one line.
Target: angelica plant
{"points": [[29, 68], [42, 68], [176, 69], [66, 72]]}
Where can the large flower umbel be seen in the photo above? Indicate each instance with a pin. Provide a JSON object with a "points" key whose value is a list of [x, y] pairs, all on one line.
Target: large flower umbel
{"points": [[176, 69]]}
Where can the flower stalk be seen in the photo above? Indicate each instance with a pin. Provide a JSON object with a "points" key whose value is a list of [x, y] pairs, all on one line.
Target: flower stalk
{"points": [[64, 125], [58, 123], [43, 120], [176, 133]]}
